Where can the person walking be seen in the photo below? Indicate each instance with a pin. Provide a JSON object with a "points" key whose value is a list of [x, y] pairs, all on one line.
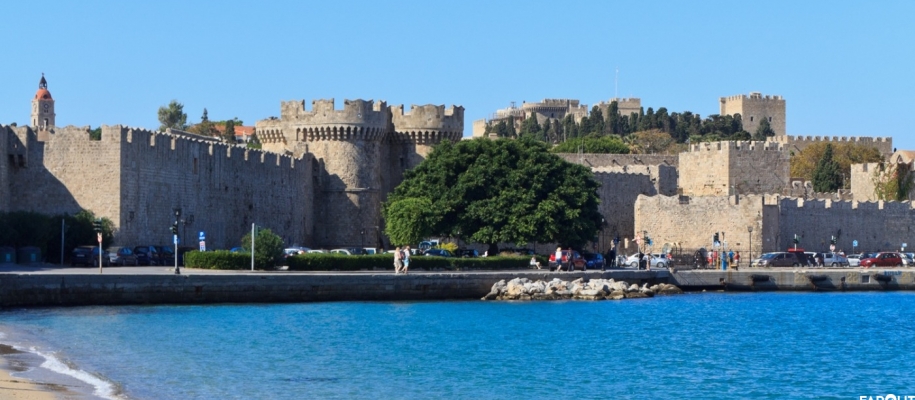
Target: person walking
{"points": [[398, 261], [558, 257], [737, 260], [406, 259]]}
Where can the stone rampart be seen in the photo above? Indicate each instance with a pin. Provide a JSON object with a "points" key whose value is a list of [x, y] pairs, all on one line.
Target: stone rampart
{"points": [[620, 187], [6, 137], [691, 222], [875, 225], [137, 177], [734, 167], [799, 143], [591, 160]]}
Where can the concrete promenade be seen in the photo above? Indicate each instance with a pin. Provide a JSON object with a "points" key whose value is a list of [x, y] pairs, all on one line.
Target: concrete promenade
{"points": [[62, 286]]}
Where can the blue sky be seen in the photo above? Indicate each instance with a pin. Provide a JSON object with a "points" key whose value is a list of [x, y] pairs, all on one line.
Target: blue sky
{"points": [[843, 67]]}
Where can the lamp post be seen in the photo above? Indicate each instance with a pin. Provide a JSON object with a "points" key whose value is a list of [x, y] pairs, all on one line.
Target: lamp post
{"points": [[175, 239], [750, 241]]}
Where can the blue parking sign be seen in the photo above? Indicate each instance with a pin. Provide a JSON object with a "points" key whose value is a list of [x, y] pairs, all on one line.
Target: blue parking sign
{"points": [[201, 236]]}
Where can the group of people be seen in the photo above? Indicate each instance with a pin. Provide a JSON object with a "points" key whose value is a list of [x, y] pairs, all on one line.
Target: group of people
{"points": [[728, 258], [401, 260]]}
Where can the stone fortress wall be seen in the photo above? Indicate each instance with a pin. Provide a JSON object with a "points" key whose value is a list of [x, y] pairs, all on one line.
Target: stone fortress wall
{"points": [[136, 177], [692, 221], [753, 108], [798, 143], [727, 168], [618, 160]]}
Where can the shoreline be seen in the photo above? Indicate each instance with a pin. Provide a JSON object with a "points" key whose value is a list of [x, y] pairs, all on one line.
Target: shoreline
{"points": [[14, 387]]}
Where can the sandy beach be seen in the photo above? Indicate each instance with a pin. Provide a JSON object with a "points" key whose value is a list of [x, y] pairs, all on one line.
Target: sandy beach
{"points": [[22, 389]]}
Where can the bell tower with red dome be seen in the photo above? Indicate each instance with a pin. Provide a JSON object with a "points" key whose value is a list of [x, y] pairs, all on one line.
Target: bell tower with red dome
{"points": [[42, 106]]}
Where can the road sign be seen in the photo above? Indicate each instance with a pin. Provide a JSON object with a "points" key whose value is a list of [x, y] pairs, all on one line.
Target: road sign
{"points": [[904, 245], [201, 237], [203, 245], [99, 238], [854, 243], [832, 247], [175, 239]]}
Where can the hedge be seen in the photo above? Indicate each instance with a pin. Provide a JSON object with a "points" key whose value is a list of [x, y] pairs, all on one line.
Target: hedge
{"points": [[219, 259], [341, 262]]}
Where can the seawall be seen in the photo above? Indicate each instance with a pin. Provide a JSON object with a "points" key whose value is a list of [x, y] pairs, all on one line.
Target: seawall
{"points": [[19, 290], [790, 279]]}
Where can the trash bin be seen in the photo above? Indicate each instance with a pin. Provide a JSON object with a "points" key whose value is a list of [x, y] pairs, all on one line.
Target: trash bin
{"points": [[28, 255], [7, 255]]}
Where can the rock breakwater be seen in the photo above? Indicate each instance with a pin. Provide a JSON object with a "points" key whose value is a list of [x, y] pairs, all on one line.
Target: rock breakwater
{"points": [[579, 289]]}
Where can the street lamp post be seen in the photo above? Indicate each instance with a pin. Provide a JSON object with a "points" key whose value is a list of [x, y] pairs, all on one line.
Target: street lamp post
{"points": [[750, 241], [175, 239]]}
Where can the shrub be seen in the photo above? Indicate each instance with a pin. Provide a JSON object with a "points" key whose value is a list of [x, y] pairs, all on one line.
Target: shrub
{"points": [[268, 248], [219, 259]]}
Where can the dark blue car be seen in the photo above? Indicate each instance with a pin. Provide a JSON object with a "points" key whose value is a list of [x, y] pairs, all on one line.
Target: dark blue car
{"points": [[594, 260]]}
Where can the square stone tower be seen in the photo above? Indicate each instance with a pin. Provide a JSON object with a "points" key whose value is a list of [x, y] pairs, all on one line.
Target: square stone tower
{"points": [[754, 108]]}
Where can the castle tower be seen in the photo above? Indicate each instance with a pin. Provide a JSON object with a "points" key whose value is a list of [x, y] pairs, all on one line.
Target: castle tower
{"points": [[347, 148], [43, 107], [754, 108], [414, 133]]}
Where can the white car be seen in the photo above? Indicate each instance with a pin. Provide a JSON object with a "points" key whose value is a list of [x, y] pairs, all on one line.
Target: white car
{"points": [[854, 260], [657, 261]]}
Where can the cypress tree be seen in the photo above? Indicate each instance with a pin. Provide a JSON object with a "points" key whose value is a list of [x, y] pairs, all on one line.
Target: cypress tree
{"points": [[826, 176]]}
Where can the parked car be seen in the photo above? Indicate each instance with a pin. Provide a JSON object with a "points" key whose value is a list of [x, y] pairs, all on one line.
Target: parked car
{"points": [[781, 259], [345, 252], [291, 251], [166, 255], [907, 260], [882, 259], [466, 253], [594, 260], [570, 260], [854, 260], [148, 255], [122, 256], [88, 256], [657, 261], [438, 253], [833, 259]]}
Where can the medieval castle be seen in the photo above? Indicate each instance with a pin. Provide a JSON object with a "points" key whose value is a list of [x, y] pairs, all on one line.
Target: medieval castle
{"points": [[324, 172]]}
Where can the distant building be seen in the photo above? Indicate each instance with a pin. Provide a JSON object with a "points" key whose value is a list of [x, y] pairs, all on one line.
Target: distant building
{"points": [[754, 108]]}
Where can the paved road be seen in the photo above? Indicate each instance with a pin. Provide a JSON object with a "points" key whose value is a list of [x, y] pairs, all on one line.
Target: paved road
{"points": [[159, 270]]}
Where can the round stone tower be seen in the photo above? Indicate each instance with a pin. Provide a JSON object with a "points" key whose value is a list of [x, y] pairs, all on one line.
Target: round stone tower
{"points": [[414, 133], [346, 145]]}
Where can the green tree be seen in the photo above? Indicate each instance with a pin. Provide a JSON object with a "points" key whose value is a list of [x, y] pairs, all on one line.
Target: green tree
{"points": [[205, 127], [498, 191], [229, 135], [804, 162], [95, 134], [510, 128], [409, 220], [530, 127], [763, 130], [893, 181], [254, 142], [268, 248], [613, 118], [826, 175], [172, 116], [597, 121], [593, 144]]}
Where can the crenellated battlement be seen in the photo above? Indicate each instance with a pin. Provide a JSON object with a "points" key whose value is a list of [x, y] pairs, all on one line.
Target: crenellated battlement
{"points": [[366, 113], [800, 203], [754, 96], [737, 146], [839, 139], [427, 124]]}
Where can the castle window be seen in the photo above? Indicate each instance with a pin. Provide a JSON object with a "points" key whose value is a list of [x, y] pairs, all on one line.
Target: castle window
{"points": [[195, 165], [21, 161], [770, 119], [402, 163], [751, 118], [12, 160]]}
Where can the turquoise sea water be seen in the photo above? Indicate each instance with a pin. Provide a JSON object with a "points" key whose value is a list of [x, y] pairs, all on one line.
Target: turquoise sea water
{"points": [[708, 346]]}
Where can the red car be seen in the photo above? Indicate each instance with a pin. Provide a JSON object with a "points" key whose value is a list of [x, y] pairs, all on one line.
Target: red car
{"points": [[577, 261], [885, 259]]}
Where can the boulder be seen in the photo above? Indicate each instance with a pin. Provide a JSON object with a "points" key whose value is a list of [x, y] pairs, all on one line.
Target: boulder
{"points": [[638, 295], [590, 294], [633, 288]]}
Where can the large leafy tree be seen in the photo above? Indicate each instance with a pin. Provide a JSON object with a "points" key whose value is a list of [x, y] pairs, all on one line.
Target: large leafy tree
{"points": [[826, 175], [893, 181], [228, 135], [172, 116], [205, 127], [845, 154], [495, 191]]}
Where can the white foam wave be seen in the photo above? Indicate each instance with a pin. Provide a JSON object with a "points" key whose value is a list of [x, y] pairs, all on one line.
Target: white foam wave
{"points": [[102, 388]]}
